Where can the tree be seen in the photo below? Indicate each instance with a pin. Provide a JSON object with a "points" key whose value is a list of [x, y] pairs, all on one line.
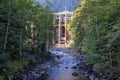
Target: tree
{"points": [[24, 26], [96, 33]]}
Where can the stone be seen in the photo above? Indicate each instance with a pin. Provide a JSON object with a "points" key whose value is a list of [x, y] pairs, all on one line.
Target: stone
{"points": [[82, 67], [37, 72], [74, 67], [96, 79], [87, 75], [92, 77], [82, 71], [66, 67], [95, 69], [75, 74]]}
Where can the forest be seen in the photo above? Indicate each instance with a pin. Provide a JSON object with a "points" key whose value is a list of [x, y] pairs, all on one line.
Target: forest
{"points": [[27, 32], [24, 29], [96, 32]]}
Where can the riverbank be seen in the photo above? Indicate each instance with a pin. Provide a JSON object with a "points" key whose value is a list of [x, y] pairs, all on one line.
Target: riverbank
{"points": [[84, 71], [62, 61], [67, 64], [35, 69]]}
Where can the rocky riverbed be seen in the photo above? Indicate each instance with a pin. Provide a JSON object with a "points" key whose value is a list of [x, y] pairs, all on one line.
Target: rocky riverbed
{"points": [[65, 64], [81, 70]]}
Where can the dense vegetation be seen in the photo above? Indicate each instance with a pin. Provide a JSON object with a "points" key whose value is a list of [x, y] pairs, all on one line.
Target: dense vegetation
{"points": [[26, 31], [26, 28], [96, 32]]}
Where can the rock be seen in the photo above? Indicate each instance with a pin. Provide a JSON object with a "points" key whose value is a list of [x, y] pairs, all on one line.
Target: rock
{"points": [[92, 77], [66, 67], [74, 67], [82, 67], [58, 57], [45, 74], [36, 75], [108, 76], [82, 71], [42, 77], [75, 74], [95, 69], [37, 72], [82, 57], [78, 64], [87, 75], [96, 79], [48, 66], [42, 72]]}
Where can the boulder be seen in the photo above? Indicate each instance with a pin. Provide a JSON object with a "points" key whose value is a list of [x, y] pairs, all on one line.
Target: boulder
{"points": [[66, 67], [92, 77], [74, 67], [75, 74], [96, 69]]}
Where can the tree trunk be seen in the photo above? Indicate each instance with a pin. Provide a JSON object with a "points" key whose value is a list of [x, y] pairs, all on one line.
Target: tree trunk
{"points": [[8, 25], [20, 49]]}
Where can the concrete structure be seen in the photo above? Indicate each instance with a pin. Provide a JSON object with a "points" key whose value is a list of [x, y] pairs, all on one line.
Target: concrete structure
{"points": [[61, 22]]}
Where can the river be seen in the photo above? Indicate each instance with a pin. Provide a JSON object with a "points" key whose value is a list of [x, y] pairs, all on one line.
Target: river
{"points": [[61, 68]]}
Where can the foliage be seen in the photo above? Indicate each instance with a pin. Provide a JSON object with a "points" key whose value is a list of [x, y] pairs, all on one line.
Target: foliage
{"points": [[3, 61], [18, 65], [1, 78], [25, 29], [96, 31]]}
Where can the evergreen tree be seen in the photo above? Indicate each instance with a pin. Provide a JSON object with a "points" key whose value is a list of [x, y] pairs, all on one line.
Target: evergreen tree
{"points": [[96, 33], [24, 26]]}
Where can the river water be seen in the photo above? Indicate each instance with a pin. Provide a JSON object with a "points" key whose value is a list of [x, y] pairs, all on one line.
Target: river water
{"points": [[61, 68]]}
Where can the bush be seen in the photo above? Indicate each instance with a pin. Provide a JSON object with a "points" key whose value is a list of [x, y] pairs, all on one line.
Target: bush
{"points": [[1, 77]]}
